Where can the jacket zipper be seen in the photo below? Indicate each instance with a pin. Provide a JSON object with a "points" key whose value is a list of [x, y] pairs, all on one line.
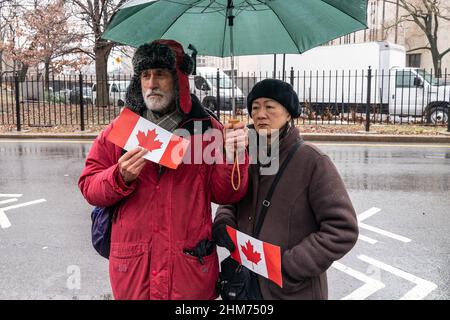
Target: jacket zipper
{"points": [[160, 172]]}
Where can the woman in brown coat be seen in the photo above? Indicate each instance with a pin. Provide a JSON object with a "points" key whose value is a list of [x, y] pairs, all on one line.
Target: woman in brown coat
{"points": [[310, 215]]}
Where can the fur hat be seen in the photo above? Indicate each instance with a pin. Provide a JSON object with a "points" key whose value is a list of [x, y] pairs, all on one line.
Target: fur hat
{"points": [[166, 54], [277, 90]]}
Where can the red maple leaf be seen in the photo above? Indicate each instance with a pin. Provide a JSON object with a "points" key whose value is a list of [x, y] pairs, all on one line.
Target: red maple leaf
{"points": [[149, 141], [251, 255]]}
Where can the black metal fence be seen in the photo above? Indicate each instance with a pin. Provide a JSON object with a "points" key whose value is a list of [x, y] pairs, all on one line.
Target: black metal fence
{"points": [[396, 96], [61, 101]]}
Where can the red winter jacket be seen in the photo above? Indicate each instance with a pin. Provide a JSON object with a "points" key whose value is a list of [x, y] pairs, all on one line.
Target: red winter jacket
{"points": [[160, 215]]}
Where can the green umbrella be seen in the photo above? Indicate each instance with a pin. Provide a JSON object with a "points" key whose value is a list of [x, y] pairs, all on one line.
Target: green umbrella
{"points": [[228, 28]]}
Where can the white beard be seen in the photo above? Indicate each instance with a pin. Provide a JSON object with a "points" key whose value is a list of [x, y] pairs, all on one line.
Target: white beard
{"points": [[158, 103]]}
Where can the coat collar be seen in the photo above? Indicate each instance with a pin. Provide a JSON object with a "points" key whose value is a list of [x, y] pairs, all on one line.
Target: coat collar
{"points": [[289, 139]]}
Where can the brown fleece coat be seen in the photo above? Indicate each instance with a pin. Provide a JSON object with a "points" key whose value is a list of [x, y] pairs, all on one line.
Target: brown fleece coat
{"points": [[310, 217]]}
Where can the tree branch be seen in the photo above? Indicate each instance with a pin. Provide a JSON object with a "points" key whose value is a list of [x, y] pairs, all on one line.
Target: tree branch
{"points": [[82, 6], [419, 48], [436, 26], [444, 53], [121, 2], [427, 6]]}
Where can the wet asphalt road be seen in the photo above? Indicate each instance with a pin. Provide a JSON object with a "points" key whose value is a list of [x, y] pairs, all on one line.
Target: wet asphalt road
{"points": [[402, 192]]}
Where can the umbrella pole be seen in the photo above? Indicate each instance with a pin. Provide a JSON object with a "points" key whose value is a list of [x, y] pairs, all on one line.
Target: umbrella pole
{"points": [[233, 102], [233, 119], [230, 24]]}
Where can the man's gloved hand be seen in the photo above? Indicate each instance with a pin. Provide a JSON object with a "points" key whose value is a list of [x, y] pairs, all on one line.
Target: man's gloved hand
{"points": [[221, 237]]}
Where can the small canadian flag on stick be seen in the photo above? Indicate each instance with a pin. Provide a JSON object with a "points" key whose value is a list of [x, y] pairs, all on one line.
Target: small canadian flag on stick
{"points": [[261, 257], [130, 130]]}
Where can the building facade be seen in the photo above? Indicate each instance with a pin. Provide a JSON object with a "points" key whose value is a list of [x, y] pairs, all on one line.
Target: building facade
{"points": [[386, 21]]}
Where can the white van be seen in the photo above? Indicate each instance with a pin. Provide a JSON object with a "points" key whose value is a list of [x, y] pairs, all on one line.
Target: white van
{"points": [[204, 86], [117, 90], [415, 92]]}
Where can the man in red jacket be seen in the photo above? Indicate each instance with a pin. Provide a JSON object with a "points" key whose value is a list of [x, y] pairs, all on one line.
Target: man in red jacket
{"points": [[161, 235]]}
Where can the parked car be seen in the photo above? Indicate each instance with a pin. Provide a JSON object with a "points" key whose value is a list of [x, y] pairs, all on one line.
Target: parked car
{"points": [[74, 95], [117, 90]]}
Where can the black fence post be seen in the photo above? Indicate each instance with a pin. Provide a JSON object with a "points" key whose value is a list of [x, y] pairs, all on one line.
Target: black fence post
{"points": [[16, 89], [291, 78], [369, 89], [218, 94], [80, 81], [448, 118]]}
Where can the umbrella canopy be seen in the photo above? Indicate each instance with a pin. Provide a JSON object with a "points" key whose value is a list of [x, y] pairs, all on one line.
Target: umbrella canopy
{"points": [[260, 26], [237, 27]]}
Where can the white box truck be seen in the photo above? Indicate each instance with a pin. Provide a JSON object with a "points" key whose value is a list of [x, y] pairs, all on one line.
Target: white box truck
{"points": [[204, 86], [334, 78]]}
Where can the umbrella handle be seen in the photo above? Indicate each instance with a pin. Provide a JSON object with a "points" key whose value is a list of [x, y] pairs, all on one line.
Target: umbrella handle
{"points": [[235, 168], [233, 121]]}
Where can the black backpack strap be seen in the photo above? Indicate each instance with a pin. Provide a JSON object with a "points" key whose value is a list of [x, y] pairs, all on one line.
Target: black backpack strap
{"points": [[266, 202]]}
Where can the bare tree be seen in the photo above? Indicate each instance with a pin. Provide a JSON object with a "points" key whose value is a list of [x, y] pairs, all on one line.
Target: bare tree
{"points": [[427, 15], [96, 15], [3, 26], [10, 12], [45, 38]]}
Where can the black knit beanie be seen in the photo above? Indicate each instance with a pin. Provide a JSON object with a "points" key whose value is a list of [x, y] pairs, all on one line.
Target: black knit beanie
{"points": [[277, 90]]}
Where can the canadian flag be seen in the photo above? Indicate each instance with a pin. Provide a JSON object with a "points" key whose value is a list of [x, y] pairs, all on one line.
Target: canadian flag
{"points": [[130, 130], [261, 257]]}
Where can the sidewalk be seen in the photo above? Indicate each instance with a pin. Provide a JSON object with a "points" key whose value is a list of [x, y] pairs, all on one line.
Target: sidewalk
{"points": [[322, 137]]}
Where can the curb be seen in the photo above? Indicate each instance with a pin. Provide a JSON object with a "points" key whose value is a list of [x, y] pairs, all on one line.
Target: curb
{"points": [[376, 138], [53, 136], [368, 137]]}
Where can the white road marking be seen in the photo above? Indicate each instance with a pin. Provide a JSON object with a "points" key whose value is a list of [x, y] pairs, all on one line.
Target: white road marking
{"points": [[384, 233], [10, 195], [23, 204], [8, 201], [368, 213], [367, 239], [369, 287], [420, 291], [4, 221]]}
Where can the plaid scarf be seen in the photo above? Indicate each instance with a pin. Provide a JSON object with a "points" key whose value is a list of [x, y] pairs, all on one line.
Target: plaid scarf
{"points": [[169, 121]]}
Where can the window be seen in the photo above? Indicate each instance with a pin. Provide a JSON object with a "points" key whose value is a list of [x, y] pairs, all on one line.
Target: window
{"points": [[413, 60], [404, 79], [201, 61], [228, 73]]}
